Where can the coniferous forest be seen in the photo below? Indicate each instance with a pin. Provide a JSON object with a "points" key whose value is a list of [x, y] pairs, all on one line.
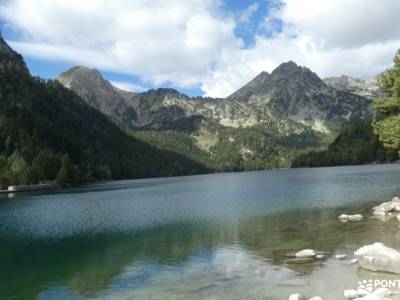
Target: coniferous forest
{"points": [[49, 133], [376, 140]]}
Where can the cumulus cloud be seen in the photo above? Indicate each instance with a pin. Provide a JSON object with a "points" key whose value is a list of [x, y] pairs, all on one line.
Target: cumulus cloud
{"points": [[193, 43]]}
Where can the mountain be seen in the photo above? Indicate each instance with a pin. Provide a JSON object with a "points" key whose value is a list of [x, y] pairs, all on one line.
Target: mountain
{"points": [[265, 124], [367, 88], [48, 132]]}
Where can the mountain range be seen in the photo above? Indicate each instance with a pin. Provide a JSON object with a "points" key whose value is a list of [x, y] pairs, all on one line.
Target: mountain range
{"points": [[264, 124], [267, 123], [290, 93]]}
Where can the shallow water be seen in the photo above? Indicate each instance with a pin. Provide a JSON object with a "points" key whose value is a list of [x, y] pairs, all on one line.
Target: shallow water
{"points": [[222, 236]]}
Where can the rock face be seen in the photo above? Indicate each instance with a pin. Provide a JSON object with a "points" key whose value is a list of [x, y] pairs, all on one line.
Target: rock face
{"points": [[368, 88], [378, 257]]}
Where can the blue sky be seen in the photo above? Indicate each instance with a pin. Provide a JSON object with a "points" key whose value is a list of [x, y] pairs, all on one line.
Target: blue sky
{"points": [[201, 47]]}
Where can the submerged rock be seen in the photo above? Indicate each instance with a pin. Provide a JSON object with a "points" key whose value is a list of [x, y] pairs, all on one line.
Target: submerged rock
{"points": [[350, 294], [378, 257], [306, 253], [351, 218], [341, 256], [296, 296], [300, 260]]}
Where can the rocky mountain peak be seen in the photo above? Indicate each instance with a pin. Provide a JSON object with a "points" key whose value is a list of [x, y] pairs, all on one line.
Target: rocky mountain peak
{"points": [[290, 72], [83, 75], [255, 85]]}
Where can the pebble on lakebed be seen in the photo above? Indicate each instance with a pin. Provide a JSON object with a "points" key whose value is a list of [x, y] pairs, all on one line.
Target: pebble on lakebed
{"points": [[351, 218]]}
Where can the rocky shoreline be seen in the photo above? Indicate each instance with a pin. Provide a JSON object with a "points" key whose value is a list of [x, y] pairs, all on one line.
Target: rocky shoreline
{"points": [[374, 257]]}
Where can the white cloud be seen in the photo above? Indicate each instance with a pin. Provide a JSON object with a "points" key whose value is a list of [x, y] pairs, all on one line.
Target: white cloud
{"points": [[128, 86], [161, 41], [245, 16], [332, 37], [193, 43]]}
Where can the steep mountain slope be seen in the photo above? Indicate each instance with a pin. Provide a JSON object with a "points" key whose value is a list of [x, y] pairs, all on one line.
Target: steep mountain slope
{"points": [[49, 132], [367, 88]]}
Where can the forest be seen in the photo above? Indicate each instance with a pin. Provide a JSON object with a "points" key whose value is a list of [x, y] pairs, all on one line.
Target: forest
{"points": [[49, 133]]}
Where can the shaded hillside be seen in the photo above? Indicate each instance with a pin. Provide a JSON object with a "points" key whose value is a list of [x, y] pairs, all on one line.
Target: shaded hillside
{"points": [[48, 132], [355, 145]]}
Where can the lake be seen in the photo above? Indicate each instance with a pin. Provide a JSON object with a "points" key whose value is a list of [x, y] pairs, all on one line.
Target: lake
{"points": [[219, 236]]}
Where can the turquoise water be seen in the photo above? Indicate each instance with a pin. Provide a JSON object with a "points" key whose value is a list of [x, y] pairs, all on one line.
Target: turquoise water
{"points": [[220, 236]]}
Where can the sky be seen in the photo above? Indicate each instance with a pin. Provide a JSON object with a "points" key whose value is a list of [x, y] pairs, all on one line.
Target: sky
{"points": [[201, 47]]}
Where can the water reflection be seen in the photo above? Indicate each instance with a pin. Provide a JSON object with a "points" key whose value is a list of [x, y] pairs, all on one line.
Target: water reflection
{"points": [[224, 236], [186, 261]]}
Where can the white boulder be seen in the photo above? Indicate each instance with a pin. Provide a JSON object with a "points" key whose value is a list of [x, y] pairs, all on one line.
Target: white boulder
{"points": [[306, 253], [378, 257], [315, 298], [296, 296], [379, 294], [379, 211]]}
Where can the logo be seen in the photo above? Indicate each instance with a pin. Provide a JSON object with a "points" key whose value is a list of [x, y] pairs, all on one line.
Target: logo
{"points": [[365, 287], [369, 286]]}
